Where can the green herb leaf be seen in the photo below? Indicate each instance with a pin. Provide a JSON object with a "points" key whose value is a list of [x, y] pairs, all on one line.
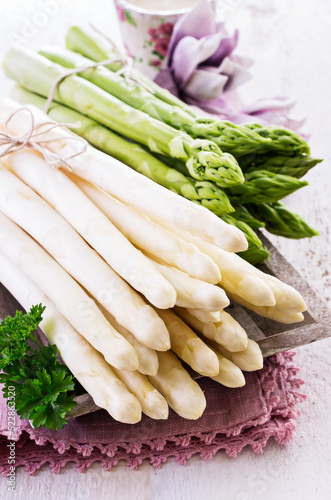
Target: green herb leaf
{"points": [[44, 387], [15, 332]]}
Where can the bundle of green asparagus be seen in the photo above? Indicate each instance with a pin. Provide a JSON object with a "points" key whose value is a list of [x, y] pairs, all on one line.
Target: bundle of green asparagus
{"points": [[197, 157], [238, 140], [203, 158]]}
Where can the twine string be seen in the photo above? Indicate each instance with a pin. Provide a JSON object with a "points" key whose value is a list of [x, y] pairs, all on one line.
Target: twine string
{"points": [[70, 72], [30, 139], [127, 71]]}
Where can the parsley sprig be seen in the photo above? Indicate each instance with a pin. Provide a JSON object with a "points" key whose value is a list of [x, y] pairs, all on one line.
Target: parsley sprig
{"points": [[44, 387]]}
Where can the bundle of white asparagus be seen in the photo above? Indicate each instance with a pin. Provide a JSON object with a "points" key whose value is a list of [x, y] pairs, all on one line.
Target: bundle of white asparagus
{"points": [[134, 277]]}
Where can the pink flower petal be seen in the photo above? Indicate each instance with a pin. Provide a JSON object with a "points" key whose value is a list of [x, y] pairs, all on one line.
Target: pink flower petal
{"points": [[237, 75], [205, 85], [226, 47], [217, 107], [189, 53], [269, 103], [269, 111], [197, 23], [166, 80]]}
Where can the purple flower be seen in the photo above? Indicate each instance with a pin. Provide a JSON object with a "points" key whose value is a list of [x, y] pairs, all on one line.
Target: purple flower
{"points": [[201, 67], [202, 70], [265, 111]]}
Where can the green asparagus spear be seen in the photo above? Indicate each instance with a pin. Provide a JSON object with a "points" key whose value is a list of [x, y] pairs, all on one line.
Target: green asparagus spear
{"points": [[173, 163], [240, 216], [255, 255], [135, 156], [251, 236], [204, 193], [231, 138], [262, 186], [281, 221], [126, 90], [256, 252], [254, 219], [90, 44], [283, 141], [294, 166], [203, 159], [241, 213], [235, 139], [217, 200]]}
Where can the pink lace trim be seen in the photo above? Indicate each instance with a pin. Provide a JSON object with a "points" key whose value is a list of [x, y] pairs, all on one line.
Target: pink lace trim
{"points": [[278, 423]]}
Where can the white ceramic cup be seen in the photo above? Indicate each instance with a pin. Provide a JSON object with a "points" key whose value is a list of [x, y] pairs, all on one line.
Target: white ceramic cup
{"points": [[146, 27]]}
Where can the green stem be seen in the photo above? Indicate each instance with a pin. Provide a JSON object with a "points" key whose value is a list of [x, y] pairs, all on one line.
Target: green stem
{"points": [[279, 220], [33, 338], [294, 166], [262, 186], [88, 43], [282, 141]]}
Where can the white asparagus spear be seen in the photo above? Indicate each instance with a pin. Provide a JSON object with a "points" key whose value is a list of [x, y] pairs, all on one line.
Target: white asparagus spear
{"points": [[288, 299], [238, 276], [127, 185], [67, 199], [205, 316], [248, 360], [192, 292], [270, 312], [151, 237], [229, 375], [228, 332], [69, 298], [85, 363], [153, 404], [182, 393], [46, 226], [188, 346], [246, 281], [148, 361]]}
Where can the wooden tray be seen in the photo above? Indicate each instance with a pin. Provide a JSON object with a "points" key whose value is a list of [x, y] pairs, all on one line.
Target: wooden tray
{"points": [[275, 337], [272, 336]]}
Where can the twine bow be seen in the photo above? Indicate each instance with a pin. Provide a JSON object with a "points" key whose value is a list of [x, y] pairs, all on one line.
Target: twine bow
{"points": [[33, 139]]}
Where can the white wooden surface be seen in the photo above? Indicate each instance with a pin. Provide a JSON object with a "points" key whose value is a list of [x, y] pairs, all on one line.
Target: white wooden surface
{"points": [[291, 41]]}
